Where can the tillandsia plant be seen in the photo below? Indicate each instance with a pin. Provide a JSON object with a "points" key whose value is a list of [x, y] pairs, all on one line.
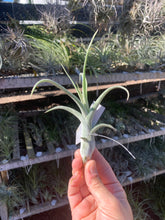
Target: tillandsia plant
{"points": [[87, 112]]}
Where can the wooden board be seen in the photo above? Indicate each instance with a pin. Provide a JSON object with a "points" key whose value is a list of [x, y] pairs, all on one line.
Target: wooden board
{"points": [[28, 82], [16, 150], [43, 95], [144, 178], [29, 145], [39, 209]]}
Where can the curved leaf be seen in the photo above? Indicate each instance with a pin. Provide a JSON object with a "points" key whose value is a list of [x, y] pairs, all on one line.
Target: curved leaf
{"points": [[68, 109], [72, 96], [100, 98], [75, 86], [94, 129]]}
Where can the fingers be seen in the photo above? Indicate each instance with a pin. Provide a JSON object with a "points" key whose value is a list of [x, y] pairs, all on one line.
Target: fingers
{"points": [[107, 175], [77, 153], [77, 164], [105, 172], [74, 194], [76, 189], [95, 185], [104, 169]]}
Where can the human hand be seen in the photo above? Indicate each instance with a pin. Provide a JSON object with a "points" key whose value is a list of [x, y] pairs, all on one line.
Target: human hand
{"points": [[95, 193]]}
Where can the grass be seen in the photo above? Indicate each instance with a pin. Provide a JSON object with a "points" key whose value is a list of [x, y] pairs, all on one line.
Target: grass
{"points": [[153, 194], [7, 135], [11, 195], [42, 182], [138, 207]]}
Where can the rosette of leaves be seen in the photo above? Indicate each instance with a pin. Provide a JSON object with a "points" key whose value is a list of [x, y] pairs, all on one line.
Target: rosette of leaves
{"points": [[86, 113], [15, 49]]}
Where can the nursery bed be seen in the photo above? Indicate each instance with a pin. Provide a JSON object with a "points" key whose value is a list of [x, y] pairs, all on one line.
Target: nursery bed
{"points": [[36, 209], [42, 95], [67, 153], [19, 82]]}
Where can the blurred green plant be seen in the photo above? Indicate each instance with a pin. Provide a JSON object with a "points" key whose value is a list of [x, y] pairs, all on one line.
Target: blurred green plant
{"points": [[55, 18], [7, 135], [153, 194], [31, 182], [48, 55], [11, 195], [103, 14], [15, 49], [138, 205]]}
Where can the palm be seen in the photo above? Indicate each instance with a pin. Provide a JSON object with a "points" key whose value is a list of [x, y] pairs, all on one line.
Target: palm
{"points": [[84, 205], [87, 208]]}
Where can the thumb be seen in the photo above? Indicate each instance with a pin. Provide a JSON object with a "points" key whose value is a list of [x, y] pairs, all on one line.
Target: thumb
{"points": [[95, 185]]}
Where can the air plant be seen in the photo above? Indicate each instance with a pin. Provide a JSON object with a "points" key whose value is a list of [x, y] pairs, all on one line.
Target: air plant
{"points": [[87, 112], [50, 54]]}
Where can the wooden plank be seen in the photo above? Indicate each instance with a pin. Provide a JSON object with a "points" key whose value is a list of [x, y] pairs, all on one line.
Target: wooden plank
{"points": [[3, 207], [50, 147], [16, 148], [144, 178], [43, 95], [67, 153], [46, 157], [4, 176], [28, 82], [40, 208], [29, 145], [130, 139]]}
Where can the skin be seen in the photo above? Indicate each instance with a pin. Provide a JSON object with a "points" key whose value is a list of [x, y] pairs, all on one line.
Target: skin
{"points": [[95, 193]]}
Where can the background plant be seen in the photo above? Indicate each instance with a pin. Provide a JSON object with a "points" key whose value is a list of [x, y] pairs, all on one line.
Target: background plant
{"points": [[31, 182], [55, 18], [103, 13], [48, 55], [149, 158], [15, 49], [138, 205], [11, 195], [7, 135], [154, 189]]}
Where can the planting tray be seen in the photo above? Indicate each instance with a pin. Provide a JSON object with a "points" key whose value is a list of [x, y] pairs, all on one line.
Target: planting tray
{"points": [[45, 137], [49, 155], [36, 209], [18, 82]]}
